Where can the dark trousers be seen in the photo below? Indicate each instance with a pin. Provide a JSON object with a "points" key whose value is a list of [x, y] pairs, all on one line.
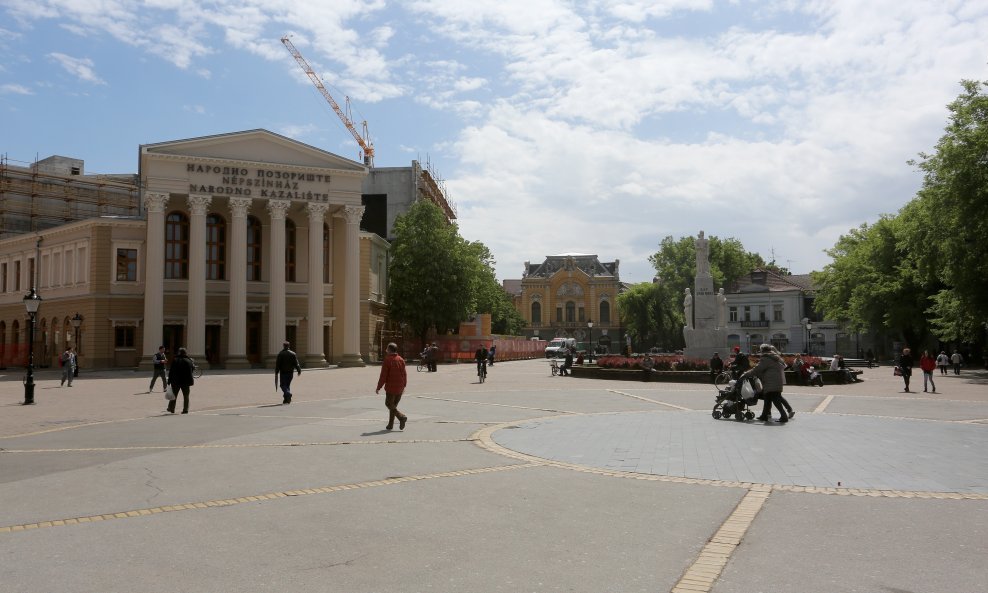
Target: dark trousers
{"points": [[185, 399], [391, 402], [285, 383], [775, 397], [431, 365], [159, 371], [957, 368], [943, 369]]}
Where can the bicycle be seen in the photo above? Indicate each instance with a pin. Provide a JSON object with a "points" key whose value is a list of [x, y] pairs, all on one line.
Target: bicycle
{"points": [[482, 370], [554, 367], [196, 371], [722, 379], [422, 366]]}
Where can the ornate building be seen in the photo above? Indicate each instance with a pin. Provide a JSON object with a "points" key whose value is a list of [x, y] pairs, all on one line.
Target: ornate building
{"points": [[565, 293]]}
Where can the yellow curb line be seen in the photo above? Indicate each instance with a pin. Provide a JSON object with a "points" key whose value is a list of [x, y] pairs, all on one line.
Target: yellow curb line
{"points": [[257, 498], [645, 399]]}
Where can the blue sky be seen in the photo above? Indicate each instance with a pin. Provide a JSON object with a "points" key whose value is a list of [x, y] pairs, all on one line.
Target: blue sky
{"points": [[592, 127]]}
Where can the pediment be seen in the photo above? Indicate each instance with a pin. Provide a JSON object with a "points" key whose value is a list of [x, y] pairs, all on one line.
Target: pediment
{"points": [[252, 146]]}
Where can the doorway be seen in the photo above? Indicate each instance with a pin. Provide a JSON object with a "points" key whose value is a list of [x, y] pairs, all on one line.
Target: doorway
{"points": [[254, 337], [213, 345], [173, 338]]}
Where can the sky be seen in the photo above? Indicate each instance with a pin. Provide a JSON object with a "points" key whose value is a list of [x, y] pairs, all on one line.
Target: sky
{"points": [[599, 126]]}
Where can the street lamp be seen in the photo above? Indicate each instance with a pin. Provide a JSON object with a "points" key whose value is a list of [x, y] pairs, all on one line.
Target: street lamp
{"points": [[747, 343], [590, 346], [31, 302], [809, 328], [76, 322]]}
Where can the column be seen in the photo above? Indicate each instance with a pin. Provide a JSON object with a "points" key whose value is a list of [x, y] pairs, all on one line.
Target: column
{"points": [[154, 275], [276, 280], [198, 206], [351, 294], [237, 252], [314, 355]]}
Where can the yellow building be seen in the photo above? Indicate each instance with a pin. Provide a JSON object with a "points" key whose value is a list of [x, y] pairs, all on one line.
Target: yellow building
{"points": [[564, 294]]}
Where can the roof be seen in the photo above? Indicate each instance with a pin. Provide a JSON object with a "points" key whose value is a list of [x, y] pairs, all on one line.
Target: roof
{"points": [[512, 286], [762, 280], [589, 264]]}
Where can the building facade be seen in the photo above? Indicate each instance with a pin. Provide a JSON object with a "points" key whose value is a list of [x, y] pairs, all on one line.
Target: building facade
{"points": [[244, 240], [561, 296]]}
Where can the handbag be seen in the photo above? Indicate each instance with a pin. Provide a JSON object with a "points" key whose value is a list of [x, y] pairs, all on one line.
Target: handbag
{"points": [[170, 393], [897, 371]]}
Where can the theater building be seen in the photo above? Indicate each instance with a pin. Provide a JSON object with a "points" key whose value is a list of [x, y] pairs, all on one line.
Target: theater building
{"points": [[242, 241]]}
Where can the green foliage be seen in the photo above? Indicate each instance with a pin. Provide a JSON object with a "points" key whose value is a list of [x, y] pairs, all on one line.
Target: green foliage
{"points": [[648, 318]]}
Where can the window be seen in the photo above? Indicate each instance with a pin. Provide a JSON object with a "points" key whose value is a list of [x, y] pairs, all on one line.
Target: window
{"points": [[747, 312], [289, 250], [605, 312], [30, 272], [732, 314], [325, 253], [215, 247], [559, 314], [291, 335], [570, 311], [777, 312], [17, 276], [15, 332], [123, 337], [253, 248], [761, 313], [536, 313], [126, 265], [3, 277], [177, 246], [580, 315]]}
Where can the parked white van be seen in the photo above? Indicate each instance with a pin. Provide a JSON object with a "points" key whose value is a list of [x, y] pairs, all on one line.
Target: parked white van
{"points": [[558, 346]]}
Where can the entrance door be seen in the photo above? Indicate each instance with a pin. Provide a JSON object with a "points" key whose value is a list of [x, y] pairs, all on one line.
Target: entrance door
{"points": [[254, 337], [213, 345], [173, 338]]}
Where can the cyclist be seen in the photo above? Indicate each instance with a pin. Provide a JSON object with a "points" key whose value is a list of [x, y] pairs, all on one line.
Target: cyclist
{"points": [[481, 357], [740, 363]]}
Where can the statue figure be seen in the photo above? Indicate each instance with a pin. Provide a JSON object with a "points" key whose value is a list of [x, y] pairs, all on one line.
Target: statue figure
{"points": [[688, 308], [721, 308], [702, 256]]}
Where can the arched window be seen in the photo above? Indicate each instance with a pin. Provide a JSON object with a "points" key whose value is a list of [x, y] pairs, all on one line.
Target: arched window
{"points": [[290, 235], [536, 312], [15, 333], [325, 253], [3, 342], [570, 311], [177, 246], [215, 247], [253, 248], [605, 312]]}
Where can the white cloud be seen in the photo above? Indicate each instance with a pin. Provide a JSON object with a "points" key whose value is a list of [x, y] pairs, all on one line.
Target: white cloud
{"points": [[81, 68], [197, 109], [15, 89]]}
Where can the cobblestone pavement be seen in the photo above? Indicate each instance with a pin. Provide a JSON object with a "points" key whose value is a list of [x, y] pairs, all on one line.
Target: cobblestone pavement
{"points": [[525, 483]]}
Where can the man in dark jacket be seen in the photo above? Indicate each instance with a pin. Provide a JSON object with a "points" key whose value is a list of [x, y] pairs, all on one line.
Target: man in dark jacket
{"points": [[740, 364], [716, 366], [284, 366], [180, 378], [393, 379], [160, 360]]}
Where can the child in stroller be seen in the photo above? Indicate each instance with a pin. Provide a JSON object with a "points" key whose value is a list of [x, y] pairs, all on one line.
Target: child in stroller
{"points": [[734, 399]]}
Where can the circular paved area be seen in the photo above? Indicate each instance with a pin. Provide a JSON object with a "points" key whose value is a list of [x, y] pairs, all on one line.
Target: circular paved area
{"points": [[815, 450]]}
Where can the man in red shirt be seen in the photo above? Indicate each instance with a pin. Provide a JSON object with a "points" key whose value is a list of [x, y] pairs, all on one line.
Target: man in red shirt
{"points": [[393, 379]]}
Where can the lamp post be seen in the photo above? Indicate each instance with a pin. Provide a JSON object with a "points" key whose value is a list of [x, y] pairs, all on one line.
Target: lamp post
{"points": [[31, 302], [590, 345], [747, 343], [76, 322], [809, 328]]}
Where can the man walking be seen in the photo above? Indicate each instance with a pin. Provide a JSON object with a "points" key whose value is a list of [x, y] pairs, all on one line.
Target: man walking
{"points": [[284, 366], [393, 379], [956, 359], [433, 357], [160, 359], [181, 379], [716, 366], [67, 361]]}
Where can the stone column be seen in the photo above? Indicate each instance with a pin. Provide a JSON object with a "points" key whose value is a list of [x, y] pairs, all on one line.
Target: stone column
{"points": [[314, 355], [276, 280], [196, 346], [154, 275], [237, 250], [351, 297]]}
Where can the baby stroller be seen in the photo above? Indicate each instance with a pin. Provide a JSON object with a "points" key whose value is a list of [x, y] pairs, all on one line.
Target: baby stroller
{"points": [[734, 399]]}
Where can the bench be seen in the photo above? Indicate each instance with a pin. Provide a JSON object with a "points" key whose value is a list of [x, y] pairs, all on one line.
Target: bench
{"points": [[858, 362]]}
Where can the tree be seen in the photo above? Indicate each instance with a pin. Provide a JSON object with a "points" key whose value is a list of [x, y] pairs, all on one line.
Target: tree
{"points": [[432, 274], [490, 295], [648, 319]]}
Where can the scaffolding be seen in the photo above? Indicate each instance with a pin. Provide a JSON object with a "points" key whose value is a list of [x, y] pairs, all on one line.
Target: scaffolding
{"points": [[433, 188], [34, 199]]}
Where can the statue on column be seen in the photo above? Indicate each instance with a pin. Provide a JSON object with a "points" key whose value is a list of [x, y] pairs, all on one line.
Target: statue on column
{"points": [[688, 308], [702, 256], [721, 308]]}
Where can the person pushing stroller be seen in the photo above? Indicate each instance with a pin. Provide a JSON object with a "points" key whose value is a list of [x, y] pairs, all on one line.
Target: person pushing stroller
{"points": [[771, 371]]}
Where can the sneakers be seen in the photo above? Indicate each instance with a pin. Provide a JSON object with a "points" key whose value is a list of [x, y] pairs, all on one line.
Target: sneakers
{"points": [[401, 423], [792, 413], [782, 420], [764, 418], [389, 427]]}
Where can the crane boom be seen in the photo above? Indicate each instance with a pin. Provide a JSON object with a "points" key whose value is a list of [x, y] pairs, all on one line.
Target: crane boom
{"points": [[366, 146]]}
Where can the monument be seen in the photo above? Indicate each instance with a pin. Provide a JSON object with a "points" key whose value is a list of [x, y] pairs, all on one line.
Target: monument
{"points": [[705, 330]]}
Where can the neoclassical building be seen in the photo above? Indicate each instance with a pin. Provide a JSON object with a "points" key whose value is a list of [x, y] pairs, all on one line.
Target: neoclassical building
{"points": [[561, 295], [244, 240]]}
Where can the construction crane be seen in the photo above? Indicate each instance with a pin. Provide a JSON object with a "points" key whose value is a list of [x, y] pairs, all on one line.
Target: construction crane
{"points": [[366, 146]]}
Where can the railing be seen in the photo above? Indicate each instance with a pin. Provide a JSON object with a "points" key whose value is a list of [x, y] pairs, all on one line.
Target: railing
{"points": [[755, 323]]}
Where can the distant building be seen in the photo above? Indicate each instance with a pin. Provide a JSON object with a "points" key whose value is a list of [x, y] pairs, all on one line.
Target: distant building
{"points": [[561, 295], [388, 192]]}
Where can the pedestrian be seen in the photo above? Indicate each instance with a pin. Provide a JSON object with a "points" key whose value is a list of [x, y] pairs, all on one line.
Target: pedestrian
{"points": [[870, 357], [647, 365], [159, 360], [957, 360], [905, 367], [490, 354], [567, 363], [67, 361], [798, 367], [942, 361], [740, 364], [180, 379], [771, 370], [284, 366], [433, 357], [393, 379], [928, 364], [480, 357], [716, 366]]}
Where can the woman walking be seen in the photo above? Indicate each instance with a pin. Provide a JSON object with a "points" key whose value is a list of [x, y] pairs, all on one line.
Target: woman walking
{"points": [[928, 364], [906, 367], [771, 370]]}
